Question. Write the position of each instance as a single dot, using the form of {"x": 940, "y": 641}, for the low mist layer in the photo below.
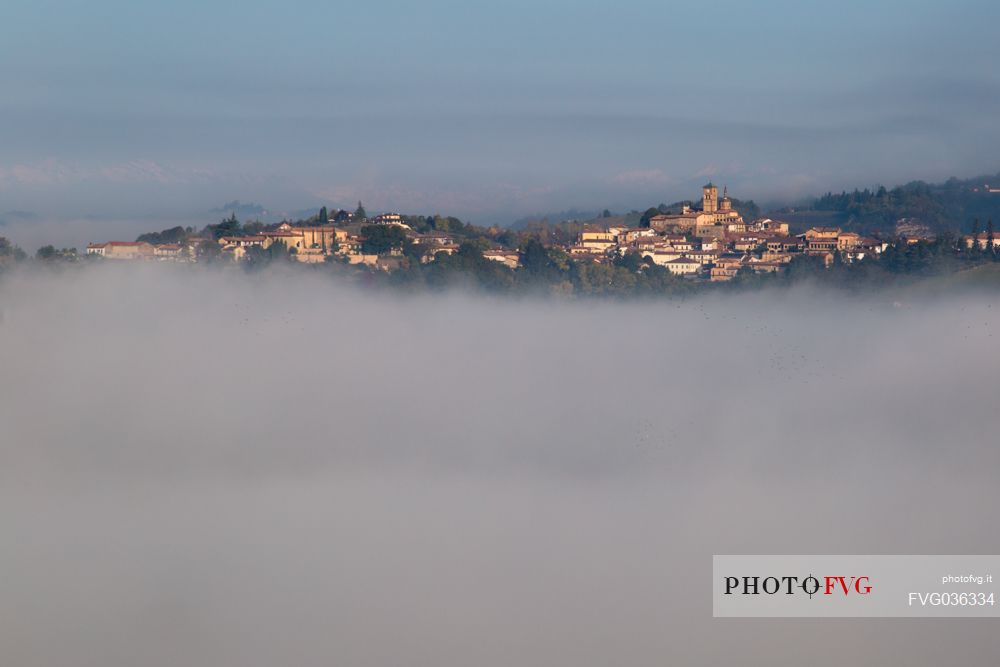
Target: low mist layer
{"x": 210, "y": 468}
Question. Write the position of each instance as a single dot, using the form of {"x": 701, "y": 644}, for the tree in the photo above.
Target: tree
{"x": 508, "y": 238}
{"x": 226, "y": 227}
{"x": 279, "y": 250}
{"x": 606, "y": 213}
{"x": 467, "y": 262}
{"x": 535, "y": 259}
{"x": 602, "y": 279}
{"x": 382, "y": 239}
{"x": 256, "y": 258}
{"x": 359, "y": 213}
{"x": 650, "y": 212}
{"x": 414, "y": 251}
{"x": 52, "y": 254}
{"x": 990, "y": 238}
{"x": 631, "y": 260}
{"x": 208, "y": 251}
{"x": 251, "y": 228}
{"x": 748, "y": 209}
{"x": 449, "y": 225}
{"x": 9, "y": 251}
{"x": 172, "y": 235}
{"x": 324, "y": 217}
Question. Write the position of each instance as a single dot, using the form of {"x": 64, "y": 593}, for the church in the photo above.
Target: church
{"x": 713, "y": 220}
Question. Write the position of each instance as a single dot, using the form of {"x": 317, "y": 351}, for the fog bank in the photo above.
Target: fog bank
{"x": 214, "y": 468}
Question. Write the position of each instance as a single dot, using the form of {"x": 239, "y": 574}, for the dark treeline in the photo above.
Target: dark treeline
{"x": 542, "y": 268}
{"x": 949, "y": 206}
{"x": 545, "y": 266}
{"x": 551, "y": 270}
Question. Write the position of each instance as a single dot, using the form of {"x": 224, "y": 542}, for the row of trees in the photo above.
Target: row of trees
{"x": 545, "y": 267}
{"x": 900, "y": 262}
{"x": 541, "y": 268}
{"x": 378, "y": 239}
{"x": 942, "y": 207}
{"x": 324, "y": 218}
{"x": 9, "y": 252}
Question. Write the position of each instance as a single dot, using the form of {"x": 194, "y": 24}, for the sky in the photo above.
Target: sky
{"x": 207, "y": 467}
{"x": 114, "y": 110}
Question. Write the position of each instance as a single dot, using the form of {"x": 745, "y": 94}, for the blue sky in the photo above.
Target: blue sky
{"x": 488, "y": 111}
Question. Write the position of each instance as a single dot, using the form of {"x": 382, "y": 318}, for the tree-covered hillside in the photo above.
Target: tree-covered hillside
{"x": 954, "y": 206}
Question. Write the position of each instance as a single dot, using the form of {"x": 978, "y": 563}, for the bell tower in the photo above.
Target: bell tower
{"x": 710, "y": 199}
{"x": 727, "y": 203}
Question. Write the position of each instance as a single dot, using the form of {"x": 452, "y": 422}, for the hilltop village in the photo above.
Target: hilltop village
{"x": 714, "y": 242}
{"x": 709, "y": 243}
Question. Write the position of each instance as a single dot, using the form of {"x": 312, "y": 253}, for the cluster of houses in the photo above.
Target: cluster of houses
{"x": 172, "y": 252}
{"x": 307, "y": 244}
{"x": 712, "y": 242}
{"x": 319, "y": 243}
{"x": 715, "y": 243}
